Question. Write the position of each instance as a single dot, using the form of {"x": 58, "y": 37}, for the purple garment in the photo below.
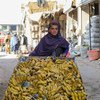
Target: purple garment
{"x": 49, "y": 43}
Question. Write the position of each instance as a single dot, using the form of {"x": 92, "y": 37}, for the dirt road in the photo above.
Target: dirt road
{"x": 7, "y": 64}
{"x": 90, "y": 73}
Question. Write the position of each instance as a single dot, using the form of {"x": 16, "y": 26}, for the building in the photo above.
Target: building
{"x": 79, "y": 13}
{"x": 36, "y": 18}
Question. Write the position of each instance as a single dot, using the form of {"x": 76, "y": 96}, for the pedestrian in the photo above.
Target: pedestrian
{"x": 14, "y": 43}
{"x": 52, "y": 43}
{"x": 23, "y": 44}
{"x": 7, "y": 43}
{"x": 7, "y": 46}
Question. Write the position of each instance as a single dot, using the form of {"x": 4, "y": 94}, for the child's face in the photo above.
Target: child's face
{"x": 53, "y": 30}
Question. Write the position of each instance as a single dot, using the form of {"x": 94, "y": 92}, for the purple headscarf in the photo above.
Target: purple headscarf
{"x": 49, "y": 43}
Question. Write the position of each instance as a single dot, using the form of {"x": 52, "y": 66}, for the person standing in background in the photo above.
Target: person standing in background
{"x": 7, "y": 43}
{"x": 23, "y": 44}
{"x": 14, "y": 43}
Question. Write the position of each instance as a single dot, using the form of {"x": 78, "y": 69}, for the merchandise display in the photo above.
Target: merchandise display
{"x": 46, "y": 78}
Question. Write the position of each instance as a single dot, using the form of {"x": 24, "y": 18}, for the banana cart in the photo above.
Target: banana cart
{"x": 45, "y": 78}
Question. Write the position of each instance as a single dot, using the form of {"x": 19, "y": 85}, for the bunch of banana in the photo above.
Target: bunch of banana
{"x": 78, "y": 95}
{"x": 45, "y": 79}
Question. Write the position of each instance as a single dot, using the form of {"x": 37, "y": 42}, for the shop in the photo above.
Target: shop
{"x": 91, "y": 23}
{"x": 90, "y": 27}
{"x": 83, "y": 20}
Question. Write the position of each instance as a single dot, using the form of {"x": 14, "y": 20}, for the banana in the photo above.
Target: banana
{"x": 76, "y": 95}
{"x": 73, "y": 96}
{"x": 13, "y": 91}
{"x": 9, "y": 97}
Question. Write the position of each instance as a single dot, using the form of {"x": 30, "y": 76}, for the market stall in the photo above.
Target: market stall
{"x": 45, "y": 78}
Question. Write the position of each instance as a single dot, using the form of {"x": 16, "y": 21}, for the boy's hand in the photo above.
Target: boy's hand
{"x": 63, "y": 55}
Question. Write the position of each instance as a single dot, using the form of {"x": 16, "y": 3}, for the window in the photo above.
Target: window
{"x": 13, "y": 27}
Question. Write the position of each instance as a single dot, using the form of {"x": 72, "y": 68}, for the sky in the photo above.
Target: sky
{"x": 10, "y": 11}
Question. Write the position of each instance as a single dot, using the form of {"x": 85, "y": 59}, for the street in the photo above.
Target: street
{"x": 7, "y": 64}
{"x": 90, "y": 73}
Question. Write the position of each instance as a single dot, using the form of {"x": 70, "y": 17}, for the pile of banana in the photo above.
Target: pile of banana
{"x": 45, "y": 79}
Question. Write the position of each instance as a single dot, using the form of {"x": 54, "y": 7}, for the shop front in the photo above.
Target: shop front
{"x": 90, "y": 27}
{"x": 91, "y": 23}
